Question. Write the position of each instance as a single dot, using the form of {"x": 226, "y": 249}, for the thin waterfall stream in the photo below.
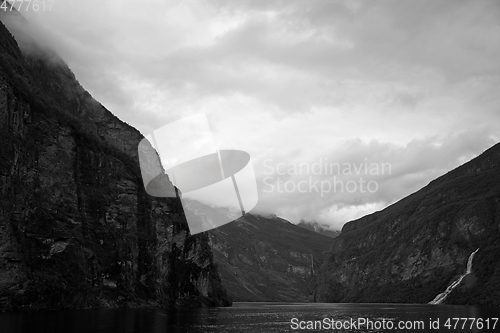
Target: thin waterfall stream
{"x": 442, "y": 296}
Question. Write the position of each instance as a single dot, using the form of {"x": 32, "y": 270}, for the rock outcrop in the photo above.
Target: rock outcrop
{"x": 412, "y": 250}
{"x": 77, "y": 229}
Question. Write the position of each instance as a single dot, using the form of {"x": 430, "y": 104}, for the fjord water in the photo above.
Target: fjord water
{"x": 242, "y": 317}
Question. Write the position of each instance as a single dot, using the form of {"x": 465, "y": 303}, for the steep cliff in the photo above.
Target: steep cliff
{"x": 77, "y": 228}
{"x": 412, "y": 250}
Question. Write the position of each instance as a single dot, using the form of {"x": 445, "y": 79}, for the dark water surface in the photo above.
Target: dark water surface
{"x": 255, "y": 317}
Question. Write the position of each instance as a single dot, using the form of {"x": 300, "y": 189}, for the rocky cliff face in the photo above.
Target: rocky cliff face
{"x": 412, "y": 250}
{"x": 77, "y": 229}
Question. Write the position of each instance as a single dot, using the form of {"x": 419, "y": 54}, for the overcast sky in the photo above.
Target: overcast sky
{"x": 412, "y": 84}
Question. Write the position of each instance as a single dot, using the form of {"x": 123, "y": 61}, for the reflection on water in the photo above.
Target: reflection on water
{"x": 242, "y": 317}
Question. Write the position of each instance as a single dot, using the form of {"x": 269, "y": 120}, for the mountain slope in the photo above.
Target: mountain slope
{"x": 77, "y": 229}
{"x": 412, "y": 250}
{"x": 268, "y": 259}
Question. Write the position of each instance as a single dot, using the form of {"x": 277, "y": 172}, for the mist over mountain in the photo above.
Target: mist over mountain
{"x": 319, "y": 228}
{"x": 77, "y": 229}
{"x": 412, "y": 250}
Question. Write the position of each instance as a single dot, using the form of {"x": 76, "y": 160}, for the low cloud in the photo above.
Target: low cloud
{"x": 411, "y": 83}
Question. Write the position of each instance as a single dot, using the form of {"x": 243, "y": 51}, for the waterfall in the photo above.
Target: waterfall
{"x": 441, "y": 297}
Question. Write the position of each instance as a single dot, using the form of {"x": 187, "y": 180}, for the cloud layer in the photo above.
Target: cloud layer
{"x": 410, "y": 83}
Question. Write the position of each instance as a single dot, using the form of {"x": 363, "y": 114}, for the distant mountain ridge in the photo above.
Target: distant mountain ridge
{"x": 412, "y": 250}
{"x": 319, "y": 228}
{"x": 267, "y": 258}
